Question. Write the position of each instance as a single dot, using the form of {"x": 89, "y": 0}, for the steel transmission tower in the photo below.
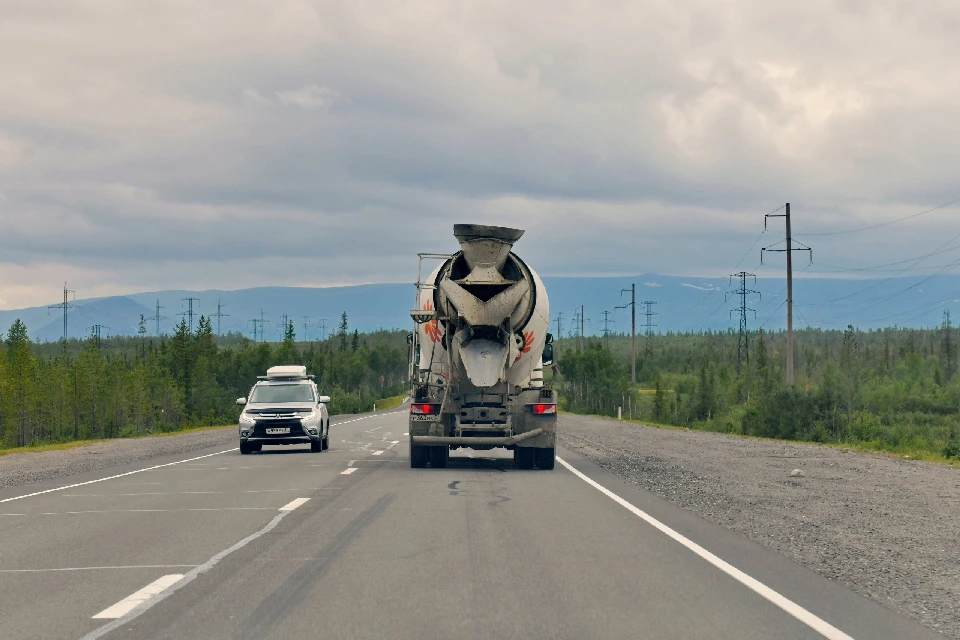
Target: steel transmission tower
{"x": 306, "y": 325}
{"x": 157, "y": 317}
{"x": 606, "y": 325}
{"x": 189, "y": 312}
{"x": 743, "y": 338}
{"x": 220, "y": 314}
{"x": 66, "y": 306}
{"x": 648, "y": 326}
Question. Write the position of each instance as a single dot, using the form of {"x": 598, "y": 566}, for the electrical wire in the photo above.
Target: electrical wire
{"x": 882, "y": 224}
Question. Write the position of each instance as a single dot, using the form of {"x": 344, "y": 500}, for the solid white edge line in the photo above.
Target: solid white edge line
{"x": 817, "y": 624}
{"x": 119, "y": 475}
{"x": 293, "y": 504}
{"x": 134, "y": 600}
{"x": 187, "y": 579}
{"x": 347, "y": 472}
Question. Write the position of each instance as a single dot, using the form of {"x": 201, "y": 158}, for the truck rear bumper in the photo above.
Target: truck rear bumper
{"x": 481, "y": 441}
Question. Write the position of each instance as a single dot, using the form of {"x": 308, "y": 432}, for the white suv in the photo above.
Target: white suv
{"x": 284, "y": 407}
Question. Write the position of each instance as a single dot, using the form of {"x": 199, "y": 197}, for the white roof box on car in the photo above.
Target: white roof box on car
{"x": 289, "y": 371}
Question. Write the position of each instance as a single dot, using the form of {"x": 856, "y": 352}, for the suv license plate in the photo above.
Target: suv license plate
{"x": 278, "y": 431}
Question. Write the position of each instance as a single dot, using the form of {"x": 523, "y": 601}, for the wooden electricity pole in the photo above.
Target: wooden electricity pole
{"x": 789, "y": 251}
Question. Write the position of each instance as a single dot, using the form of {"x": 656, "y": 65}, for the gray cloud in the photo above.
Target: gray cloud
{"x": 196, "y": 144}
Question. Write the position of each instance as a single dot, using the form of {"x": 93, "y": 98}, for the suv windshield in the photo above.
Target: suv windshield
{"x": 263, "y": 393}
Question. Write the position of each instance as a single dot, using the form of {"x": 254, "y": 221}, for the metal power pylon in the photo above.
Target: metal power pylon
{"x": 220, "y": 314}
{"x": 157, "y": 317}
{"x": 648, "y": 326}
{"x": 743, "y": 338}
{"x": 66, "y": 306}
{"x": 189, "y": 312}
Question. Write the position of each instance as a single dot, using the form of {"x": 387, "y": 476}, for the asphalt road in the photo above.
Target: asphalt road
{"x": 369, "y": 548}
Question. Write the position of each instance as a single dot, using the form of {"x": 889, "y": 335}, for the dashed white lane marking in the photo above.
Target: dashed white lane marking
{"x": 378, "y": 453}
{"x": 132, "y": 566}
{"x": 817, "y": 624}
{"x": 393, "y": 444}
{"x": 187, "y": 579}
{"x": 131, "y": 602}
{"x": 294, "y": 504}
{"x": 119, "y": 475}
{"x": 347, "y": 472}
{"x": 406, "y": 434}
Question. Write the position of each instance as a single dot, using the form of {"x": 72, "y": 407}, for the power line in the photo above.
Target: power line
{"x": 882, "y": 224}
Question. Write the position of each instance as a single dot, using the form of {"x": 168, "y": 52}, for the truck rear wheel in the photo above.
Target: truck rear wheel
{"x": 546, "y": 458}
{"x": 418, "y": 456}
{"x": 524, "y": 457}
{"x": 439, "y": 457}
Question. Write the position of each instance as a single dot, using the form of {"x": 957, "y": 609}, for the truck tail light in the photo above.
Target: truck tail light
{"x": 543, "y": 409}
{"x": 425, "y": 409}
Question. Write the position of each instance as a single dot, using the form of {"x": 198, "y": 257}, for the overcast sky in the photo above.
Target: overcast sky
{"x": 233, "y": 143}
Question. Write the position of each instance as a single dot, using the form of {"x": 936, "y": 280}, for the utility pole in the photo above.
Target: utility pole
{"x": 581, "y": 329}
{"x": 66, "y": 306}
{"x": 157, "y": 317}
{"x": 649, "y": 325}
{"x": 743, "y": 338}
{"x": 220, "y": 314}
{"x": 323, "y": 328}
{"x": 633, "y": 328}
{"x": 306, "y": 323}
{"x": 947, "y": 329}
{"x": 189, "y": 311}
{"x": 283, "y": 324}
{"x": 789, "y": 251}
{"x": 559, "y": 332}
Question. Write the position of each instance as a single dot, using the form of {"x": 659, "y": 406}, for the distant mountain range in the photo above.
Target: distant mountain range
{"x": 682, "y": 304}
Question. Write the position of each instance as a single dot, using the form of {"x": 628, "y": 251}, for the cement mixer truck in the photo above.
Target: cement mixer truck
{"x": 478, "y": 352}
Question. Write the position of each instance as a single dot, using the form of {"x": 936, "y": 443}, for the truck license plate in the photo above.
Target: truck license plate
{"x": 278, "y": 431}
{"x": 419, "y": 418}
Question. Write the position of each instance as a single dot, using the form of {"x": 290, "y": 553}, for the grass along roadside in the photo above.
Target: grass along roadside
{"x": 386, "y": 404}
{"x": 859, "y": 448}
{"x": 60, "y": 446}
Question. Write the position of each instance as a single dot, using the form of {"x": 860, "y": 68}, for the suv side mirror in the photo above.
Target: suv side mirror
{"x": 324, "y": 400}
{"x": 241, "y": 401}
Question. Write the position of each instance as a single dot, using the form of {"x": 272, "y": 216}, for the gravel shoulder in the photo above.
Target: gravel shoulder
{"x": 24, "y": 468}
{"x": 888, "y": 529}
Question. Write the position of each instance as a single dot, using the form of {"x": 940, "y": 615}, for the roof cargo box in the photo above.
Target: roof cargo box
{"x": 288, "y": 371}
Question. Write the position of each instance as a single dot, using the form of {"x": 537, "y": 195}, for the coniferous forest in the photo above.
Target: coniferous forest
{"x": 893, "y": 389}
{"x": 119, "y": 387}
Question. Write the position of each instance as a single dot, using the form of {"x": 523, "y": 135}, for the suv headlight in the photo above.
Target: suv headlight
{"x": 246, "y": 421}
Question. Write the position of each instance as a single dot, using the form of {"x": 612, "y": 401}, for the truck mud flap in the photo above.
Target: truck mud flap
{"x": 466, "y": 442}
